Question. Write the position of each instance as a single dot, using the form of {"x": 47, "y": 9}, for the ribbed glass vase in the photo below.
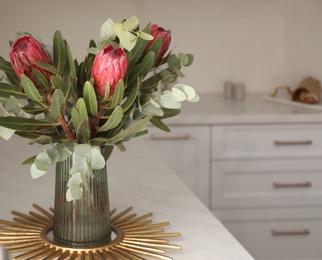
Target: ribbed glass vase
{"x": 82, "y": 223}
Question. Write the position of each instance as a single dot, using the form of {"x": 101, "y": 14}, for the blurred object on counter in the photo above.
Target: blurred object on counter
{"x": 228, "y": 89}
{"x": 308, "y": 91}
{"x": 239, "y": 91}
{"x": 234, "y": 90}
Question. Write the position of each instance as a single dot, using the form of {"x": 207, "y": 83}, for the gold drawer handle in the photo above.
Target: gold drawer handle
{"x": 306, "y": 184}
{"x": 170, "y": 137}
{"x": 304, "y": 142}
{"x": 303, "y": 232}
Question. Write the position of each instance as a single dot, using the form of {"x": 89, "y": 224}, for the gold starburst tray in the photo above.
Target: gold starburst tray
{"x": 27, "y": 236}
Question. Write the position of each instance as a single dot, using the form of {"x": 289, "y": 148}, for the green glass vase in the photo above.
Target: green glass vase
{"x": 82, "y": 223}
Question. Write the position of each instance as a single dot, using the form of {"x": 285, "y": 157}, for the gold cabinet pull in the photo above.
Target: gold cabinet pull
{"x": 170, "y": 137}
{"x": 303, "y": 142}
{"x": 303, "y": 232}
{"x": 306, "y": 184}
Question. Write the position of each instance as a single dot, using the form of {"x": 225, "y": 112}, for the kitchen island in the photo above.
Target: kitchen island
{"x": 137, "y": 178}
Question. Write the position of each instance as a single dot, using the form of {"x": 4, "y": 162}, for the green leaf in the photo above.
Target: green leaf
{"x": 71, "y": 64}
{"x": 57, "y": 82}
{"x": 25, "y": 124}
{"x": 118, "y": 94}
{"x": 142, "y": 69}
{"x": 7, "y": 90}
{"x": 29, "y": 160}
{"x": 40, "y": 78}
{"x": 9, "y": 71}
{"x": 81, "y": 107}
{"x": 80, "y": 122}
{"x": 114, "y": 119}
{"x": 58, "y": 106}
{"x": 132, "y": 129}
{"x": 48, "y": 67}
{"x": 139, "y": 48}
{"x": 156, "y": 121}
{"x": 168, "y": 112}
{"x": 90, "y": 98}
{"x": 60, "y": 56}
{"x": 156, "y": 46}
{"x": 31, "y": 91}
{"x": 132, "y": 96}
{"x": 43, "y": 139}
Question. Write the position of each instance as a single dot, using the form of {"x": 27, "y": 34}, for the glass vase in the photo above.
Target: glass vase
{"x": 85, "y": 222}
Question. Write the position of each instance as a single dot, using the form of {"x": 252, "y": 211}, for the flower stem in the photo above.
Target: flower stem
{"x": 96, "y": 121}
{"x": 66, "y": 129}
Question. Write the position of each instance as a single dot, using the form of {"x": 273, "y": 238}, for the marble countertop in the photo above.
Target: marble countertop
{"x": 138, "y": 179}
{"x": 214, "y": 109}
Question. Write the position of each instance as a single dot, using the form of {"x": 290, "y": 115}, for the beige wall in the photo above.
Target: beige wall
{"x": 263, "y": 43}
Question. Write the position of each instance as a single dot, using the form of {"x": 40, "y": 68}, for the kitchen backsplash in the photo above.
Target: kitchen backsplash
{"x": 262, "y": 43}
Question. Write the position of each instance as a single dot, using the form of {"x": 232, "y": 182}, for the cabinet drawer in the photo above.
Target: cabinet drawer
{"x": 264, "y": 141}
{"x": 266, "y": 183}
{"x": 280, "y": 240}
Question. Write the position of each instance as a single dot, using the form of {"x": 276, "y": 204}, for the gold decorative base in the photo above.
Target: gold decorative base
{"x": 134, "y": 237}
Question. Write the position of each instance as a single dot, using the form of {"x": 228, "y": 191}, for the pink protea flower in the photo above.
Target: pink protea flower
{"x": 23, "y": 56}
{"x": 156, "y": 32}
{"x": 109, "y": 66}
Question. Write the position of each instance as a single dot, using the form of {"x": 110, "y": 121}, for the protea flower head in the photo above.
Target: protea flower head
{"x": 156, "y": 32}
{"x": 109, "y": 66}
{"x": 24, "y": 53}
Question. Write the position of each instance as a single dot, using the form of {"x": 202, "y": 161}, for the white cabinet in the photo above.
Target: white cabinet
{"x": 266, "y": 188}
{"x": 186, "y": 150}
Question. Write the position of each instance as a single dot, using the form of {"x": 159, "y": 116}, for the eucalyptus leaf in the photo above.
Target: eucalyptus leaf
{"x": 145, "y": 36}
{"x": 127, "y": 39}
{"x": 74, "y": 193}
{"x": 74, "y": 179}
{"x": 35, "y": 173}
{"x": 130, "y": 23}
{"x": 6, "y": 133}
{"x": 178, "y": 94}
{"x": 97, "y": 160}
{"x": 167, "y": 100}
{"x": 106, "y": 29}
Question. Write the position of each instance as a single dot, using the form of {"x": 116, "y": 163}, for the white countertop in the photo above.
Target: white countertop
{"x": 136, "y": 178}
{"x": 214, "y": 109}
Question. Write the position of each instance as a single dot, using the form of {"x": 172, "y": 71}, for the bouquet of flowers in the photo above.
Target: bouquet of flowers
{"x": 77, "y": 108}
